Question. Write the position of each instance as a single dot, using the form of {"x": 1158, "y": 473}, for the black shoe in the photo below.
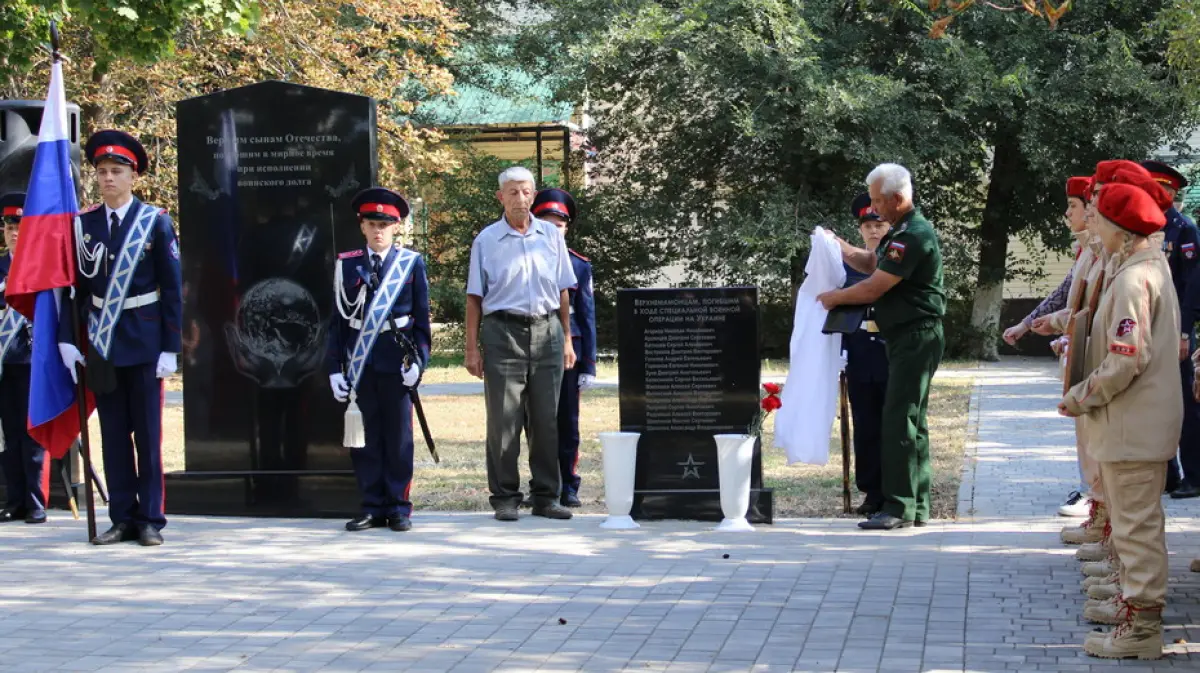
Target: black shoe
{"x": 148, "y": 536}
{"x": 1174, "y": 481}
{"x": 552, "y": 510}
{"x": 507, "y": 513}
{"x": 870, "y": 505}
{"x": 365, "y": 522}
{"x": 570, "y": 500}
{"x": 36, "y": 517}
{"x": 884, "y": 521}
{"x": 920, "y": 523}
{"x": 11, "y": 514}
{"x": 399, "y": 523}
{"x": 122, "y": 532}
{"x": 1186, "y": 490}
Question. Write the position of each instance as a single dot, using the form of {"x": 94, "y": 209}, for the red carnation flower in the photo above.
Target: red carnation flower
{"x": 771, "y": 403}
{"x": 772, "y": 388}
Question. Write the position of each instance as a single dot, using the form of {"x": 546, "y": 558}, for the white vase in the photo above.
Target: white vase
{"x": 735, "y": 455}
{"x": 620, "y": 463}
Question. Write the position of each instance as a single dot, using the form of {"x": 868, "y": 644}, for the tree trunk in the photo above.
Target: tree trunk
{"x": 993, "y": 248}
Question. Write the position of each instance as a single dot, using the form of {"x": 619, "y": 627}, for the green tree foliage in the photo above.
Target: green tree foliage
{"x": 730, "y": 128}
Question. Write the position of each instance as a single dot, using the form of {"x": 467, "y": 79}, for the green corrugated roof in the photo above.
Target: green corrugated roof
{"x": 524, "y": 100}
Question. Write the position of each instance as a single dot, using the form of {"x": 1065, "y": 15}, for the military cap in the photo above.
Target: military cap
{"x": 1165, "y": 174}
{"x": 1145, "y": 183}
{"x": 862, "y": 209}
{"x": 554, "y": 202}
{"x": 1105, "y": 170}
{"x": 118, "y": 146}
{"x": 379, "y": 203}
{"x": 12, "y": 206}
{"x": 1079, "y": 187}
{"x": 1131, "y": 209}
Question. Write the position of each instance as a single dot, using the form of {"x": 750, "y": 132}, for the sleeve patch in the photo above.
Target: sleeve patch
{"x": 1122, "y": 349}
{"x": 895, "y": 251}
{"x": 1126, "y": 326}
{"x": 174, "y": 249}
{"x": 351, "y": 254}
{"x": 1189, "y": 250}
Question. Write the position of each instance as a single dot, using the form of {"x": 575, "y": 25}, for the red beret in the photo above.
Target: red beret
{"x": 1079, "y": 187}
{"x": 1106, "y": 169}
{"x": 1131, "y": 209}
{"x": 1146, "y": 183}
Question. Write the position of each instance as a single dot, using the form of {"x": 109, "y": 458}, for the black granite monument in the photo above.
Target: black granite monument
{"x": 689, "y": 369}
{"x": 266, "y": 175}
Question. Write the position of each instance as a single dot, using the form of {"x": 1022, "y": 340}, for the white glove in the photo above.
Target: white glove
{"x": 842, "y": 361}
{"x": 412, "y": 375}
{"x": 70, "y": 356}
{"x": 167, "y": 364}
{"x": 586, "y": 381}
{"x": 341, "y": 389}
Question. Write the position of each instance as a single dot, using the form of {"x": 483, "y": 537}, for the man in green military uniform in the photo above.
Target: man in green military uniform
{"x": 905, "y": 287}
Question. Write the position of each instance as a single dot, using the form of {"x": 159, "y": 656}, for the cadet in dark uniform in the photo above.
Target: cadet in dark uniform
{"x": 130, "y": 281}
{"x": 905, "y": 287}
{"x": 1181, "y": 243}
{"x": 558, "y": 208}
{"x": 866, "y": 372}
{"x": 25, "y": 463}
{"x": 378, "y": 346}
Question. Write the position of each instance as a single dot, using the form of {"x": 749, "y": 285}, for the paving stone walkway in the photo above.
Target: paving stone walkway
{"x": 993, "y": 591}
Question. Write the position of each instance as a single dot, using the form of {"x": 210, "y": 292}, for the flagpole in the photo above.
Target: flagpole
{"x": 85, "y": 443}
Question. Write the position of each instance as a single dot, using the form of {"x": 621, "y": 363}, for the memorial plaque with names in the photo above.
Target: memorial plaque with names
{"x": 689, "y": 369}
{"x": 266, "y": 176}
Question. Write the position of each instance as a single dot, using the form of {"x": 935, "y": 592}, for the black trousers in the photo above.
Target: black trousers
{"x": 26, "y": 465}
{"x": 866, "y": 409}
{"x": 1189, "y": 437}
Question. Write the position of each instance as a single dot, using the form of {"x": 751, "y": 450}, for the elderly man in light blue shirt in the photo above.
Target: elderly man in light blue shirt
{"x": 518, "y": 310}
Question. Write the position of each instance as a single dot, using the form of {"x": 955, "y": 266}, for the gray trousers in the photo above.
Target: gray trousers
{"x": 522, "y": 375}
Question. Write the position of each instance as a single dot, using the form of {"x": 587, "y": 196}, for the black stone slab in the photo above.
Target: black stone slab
{"x": 266, "y": 175}
{"x": 689, "y": 369}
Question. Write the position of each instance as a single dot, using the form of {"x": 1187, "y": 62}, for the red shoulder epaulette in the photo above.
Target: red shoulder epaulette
{"x": 350, "y": 254}
{"x": 578, "y": 255}
{"x": 90, "y": 208}
{"x": 163, "y": 211}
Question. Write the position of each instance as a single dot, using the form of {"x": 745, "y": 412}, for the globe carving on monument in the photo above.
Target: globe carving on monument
{"x": 277, "y": 339}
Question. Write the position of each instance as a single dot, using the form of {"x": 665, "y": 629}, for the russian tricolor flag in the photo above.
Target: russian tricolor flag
{"x": 43, "y": 265}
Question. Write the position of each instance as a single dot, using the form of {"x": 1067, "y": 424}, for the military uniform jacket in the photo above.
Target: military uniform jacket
{"x": 583, "y": 314}
{"x": 1131, "y": 402}
{"x": 1088, "y": 264}
{"x": 866, "y": 352}
{"x": 1181, "y": 244}
{"x": 911, "y": 251}
{"x": 410, "y": 314}
{"x": 141, "y": 332}
{"x": 21, "y": 349}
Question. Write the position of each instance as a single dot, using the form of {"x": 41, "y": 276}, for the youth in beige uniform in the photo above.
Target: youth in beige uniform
{"x": 1132, "y": 416}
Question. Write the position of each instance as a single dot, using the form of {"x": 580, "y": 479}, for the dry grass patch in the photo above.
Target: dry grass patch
{"x": 460, "y": 481}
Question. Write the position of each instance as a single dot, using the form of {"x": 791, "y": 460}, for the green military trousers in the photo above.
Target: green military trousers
{"x": 914, "y": 352}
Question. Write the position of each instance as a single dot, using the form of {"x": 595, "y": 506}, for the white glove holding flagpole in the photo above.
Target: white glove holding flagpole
{"x": 411, "y": 375}
{"x": 167, "y": 364}
{"x": 70, "y": 357}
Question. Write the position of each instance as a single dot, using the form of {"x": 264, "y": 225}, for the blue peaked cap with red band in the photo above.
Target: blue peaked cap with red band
{"x": 378, "y": 203}
{"x": 862, "y": 209}
{"x": 12, "y": 205}
{"x": 118, "y": 146}
{"x": 554, "y": 201}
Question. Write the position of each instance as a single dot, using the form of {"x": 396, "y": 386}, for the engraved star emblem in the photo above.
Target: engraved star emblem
{"x": 691, "y": 468}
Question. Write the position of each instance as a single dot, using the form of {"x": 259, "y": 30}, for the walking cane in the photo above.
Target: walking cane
{"x": 845, "y": 413}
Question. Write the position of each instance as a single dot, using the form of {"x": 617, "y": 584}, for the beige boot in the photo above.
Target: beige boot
{"x": 1195, "y": 567}
{"x": 1103, "y": 592}
{"x": 1138, "y": 635}
{"x": 1111, "y": 611}
{"x": 1089, "y": 582}
{"x": 1091, "y": 552}
{"x": 1099, "y": 568}
{"x": 1091, "y": 530}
